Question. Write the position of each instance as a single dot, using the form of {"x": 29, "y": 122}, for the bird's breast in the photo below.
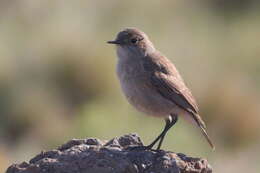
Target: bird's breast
{"x": 137, "y": 88}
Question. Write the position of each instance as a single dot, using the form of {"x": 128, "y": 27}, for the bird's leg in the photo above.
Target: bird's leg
{"x": 174, "y": 119}
{"x": 169, "y": 122}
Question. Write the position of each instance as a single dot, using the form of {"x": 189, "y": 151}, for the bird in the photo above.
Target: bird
{"x": 152, "y": 84}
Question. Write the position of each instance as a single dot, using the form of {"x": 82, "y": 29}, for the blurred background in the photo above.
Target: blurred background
{"x": 57, "y": 77}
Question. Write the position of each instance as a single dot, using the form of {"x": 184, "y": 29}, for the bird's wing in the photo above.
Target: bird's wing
{"x": 174, "y": 89}
{"x": 167, "y": 81}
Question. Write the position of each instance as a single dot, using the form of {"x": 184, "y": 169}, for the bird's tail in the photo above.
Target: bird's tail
{"x": 207, "y": 137}
{"x": 202, "y": 127}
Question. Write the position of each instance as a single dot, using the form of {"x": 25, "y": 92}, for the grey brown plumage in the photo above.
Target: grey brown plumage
{"x": 150, "y": 81}
{"x": 167, "y": 81}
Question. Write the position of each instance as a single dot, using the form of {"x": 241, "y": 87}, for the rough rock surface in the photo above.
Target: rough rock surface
{"x": 114, "y": 156}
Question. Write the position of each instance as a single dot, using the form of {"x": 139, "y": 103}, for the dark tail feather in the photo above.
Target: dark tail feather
{"x": 202, "y": 127}
{"x": 207, "y": 137}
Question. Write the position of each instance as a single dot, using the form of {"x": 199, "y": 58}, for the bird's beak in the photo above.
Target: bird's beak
{"x": 113, "y": 42}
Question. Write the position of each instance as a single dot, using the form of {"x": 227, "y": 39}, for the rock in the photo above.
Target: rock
{"x": 115, "y": 156}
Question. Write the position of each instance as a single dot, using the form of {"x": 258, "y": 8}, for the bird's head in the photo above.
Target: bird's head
{"x": 133, "y": 41}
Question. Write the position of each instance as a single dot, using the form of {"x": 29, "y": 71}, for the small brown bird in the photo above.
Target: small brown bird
{"x": 152, "y": 84}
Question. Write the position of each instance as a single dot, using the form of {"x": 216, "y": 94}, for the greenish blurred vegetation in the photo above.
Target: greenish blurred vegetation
{"x": 57, "y": 78}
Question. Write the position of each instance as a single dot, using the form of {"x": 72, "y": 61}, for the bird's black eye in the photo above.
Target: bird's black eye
{"x": 134, "y": 40}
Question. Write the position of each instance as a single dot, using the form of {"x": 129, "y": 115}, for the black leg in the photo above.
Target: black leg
{"x": 169, "y": 122}
{"x": 174, "y": 119}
